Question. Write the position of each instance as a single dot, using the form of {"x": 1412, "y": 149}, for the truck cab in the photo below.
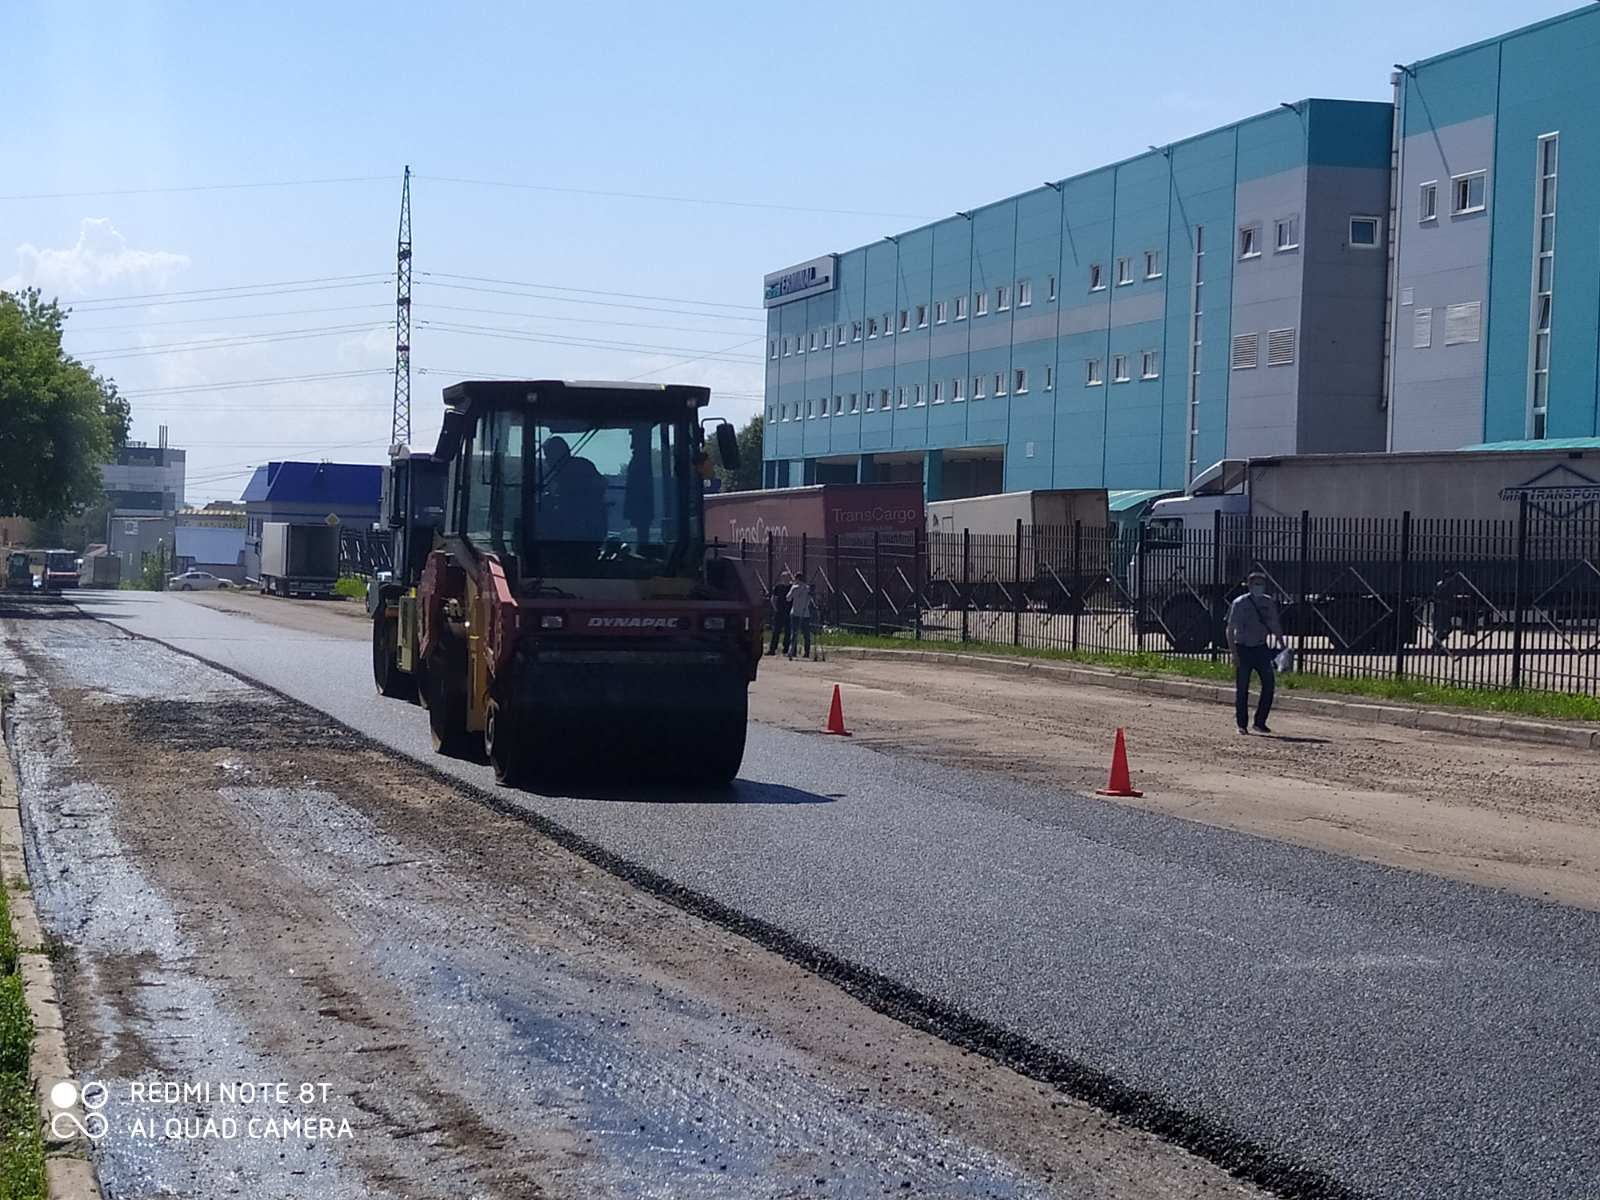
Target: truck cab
{"x": 62, "y": 569}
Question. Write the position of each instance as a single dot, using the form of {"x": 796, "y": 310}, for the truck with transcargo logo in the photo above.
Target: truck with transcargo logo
{"x": 817, "y": 513}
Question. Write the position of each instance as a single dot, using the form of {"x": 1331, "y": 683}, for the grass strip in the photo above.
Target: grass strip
{"x": 21, "y": 1147}
{"x": 1559, "y": 706}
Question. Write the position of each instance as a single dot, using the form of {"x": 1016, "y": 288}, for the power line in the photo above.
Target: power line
{"x": 292, "y": 291}
{"x": 199, "y": 187}
{"x": 587, "y": 343}
{"x": 250, "y": 383}
{"x": 239, "y": 287}
{"x": 695, "y": 358}
{"x": 666, "y": 199}
{"x": 74, "y": 327}
{"x": 228, "y": 342}
{"x": 543, "y": 316}
{"x": 682, "y": 312}
{"x": 556, "y": 287}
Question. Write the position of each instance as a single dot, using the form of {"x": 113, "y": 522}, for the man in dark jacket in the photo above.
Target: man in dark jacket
{"x": 1255, "y": 629}
{"x": 778, "y": 599}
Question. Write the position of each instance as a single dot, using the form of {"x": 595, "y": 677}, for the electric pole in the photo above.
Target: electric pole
{"x": 400, "y": 426}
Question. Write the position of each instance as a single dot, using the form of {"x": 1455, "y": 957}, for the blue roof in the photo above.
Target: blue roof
{"x": 1583, "y": 443}
{"x": 336, "y": 485}
{"x": 209, "y": 544}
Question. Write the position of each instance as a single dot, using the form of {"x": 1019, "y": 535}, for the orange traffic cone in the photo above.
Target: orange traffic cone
{"x": 1120, "y": 784}
{"x": 836, "y": 715}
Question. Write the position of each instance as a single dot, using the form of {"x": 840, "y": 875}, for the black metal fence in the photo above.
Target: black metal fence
{"x": 1471, "y": 603}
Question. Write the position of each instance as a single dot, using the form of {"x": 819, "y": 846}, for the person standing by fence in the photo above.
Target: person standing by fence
{"x": 1253, "y": 625}
{"x": 800, "y": 606}
{"x": 778, "y": 598}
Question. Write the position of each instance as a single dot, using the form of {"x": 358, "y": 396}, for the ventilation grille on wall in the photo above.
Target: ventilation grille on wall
{"x": 1246, "y": 350}
{"x": 1280, "y": 347}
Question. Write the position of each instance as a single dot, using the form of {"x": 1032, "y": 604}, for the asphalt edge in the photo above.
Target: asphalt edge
{"x": 1403, "y": 715}
{"x": 69, "y": 1173}
{"x": 1243, "y": 1158}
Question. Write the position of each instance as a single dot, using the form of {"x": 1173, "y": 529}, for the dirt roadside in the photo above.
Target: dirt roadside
{"x": 351, "y": 918}
{"x": 1500, "y": 814}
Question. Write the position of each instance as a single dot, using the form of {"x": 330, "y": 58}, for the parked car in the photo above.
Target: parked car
{"x": 196, "y": 581}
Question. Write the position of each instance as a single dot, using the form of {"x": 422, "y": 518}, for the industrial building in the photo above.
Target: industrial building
{"x": 1270, "y": 287}
{"x": 302, "y": 492}
{"x": 145, "y": 481}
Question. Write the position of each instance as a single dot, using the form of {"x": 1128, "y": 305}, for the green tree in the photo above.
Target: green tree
{"x": 59, "y": 420}
{"x": 748, "y": 477}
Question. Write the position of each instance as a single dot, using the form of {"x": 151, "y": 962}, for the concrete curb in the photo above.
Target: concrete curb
{"x": 69, "y": 1175}
{"x": 1470, "y": 724}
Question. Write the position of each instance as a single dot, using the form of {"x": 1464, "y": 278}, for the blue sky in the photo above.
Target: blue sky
{"x": 827, "y": 125}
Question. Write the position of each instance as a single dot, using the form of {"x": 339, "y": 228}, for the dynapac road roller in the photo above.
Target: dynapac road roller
{"x": 552, "y": 593}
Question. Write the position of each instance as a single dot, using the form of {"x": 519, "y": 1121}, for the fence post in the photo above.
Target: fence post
{"x": 1520, "y": 593}
{"x": 1402, "y": 593}
{"x": 1079, "y": 599}
{"x": 1140, "y": 555}
{"x": 966, "y": 577}
{"x": 838, "y": 580}
{"x": 1218, "y": 592}
{"x": 771, "y": 580}
{"x": 877, "y": 586}
{"x": 1300, "y": 589}
{"x": 1016, "y": 603}
{"x": 919, "y": 575}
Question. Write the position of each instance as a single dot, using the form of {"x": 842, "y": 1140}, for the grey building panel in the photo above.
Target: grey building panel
{"x": 1341, "y": 328}
{"x": 1145, "y": 305}
{"x": 990, "y": 335}
{"x": 1263, "y": 400}
{"x": 1437, "y": 400}
{"x": 1085, "y": 319}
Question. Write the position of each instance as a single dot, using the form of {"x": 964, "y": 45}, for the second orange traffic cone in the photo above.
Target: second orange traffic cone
{"x": 1120, "y": 783}
{"x": 836, "y": 715}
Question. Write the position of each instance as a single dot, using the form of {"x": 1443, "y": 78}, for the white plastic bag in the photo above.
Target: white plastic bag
{"x": 1285, "y": 659}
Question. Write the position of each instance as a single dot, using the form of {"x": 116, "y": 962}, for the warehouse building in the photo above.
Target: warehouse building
{"x": 1497, "y": 275}
{"x": 1259, "y": 289}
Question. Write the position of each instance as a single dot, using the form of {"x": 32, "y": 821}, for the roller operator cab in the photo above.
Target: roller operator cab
{"x": 565, "y": 612}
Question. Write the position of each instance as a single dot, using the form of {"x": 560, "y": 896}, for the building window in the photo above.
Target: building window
{"x": 1250, "y": 241}
{"x": 1364, "y": 232}
{"x": 938, "y": 392}
{"x": 1149, "y": 365}
{"x": 1467, "y": 193}
{"x": 855, "y": 402}
{"x": 838, "y": 405}
{"x": 920, "y": 399}
{"x": 1049, "y": 379}
{"x": 855, "y": 331}
{"x": 1280, "y": 347}
{"x": 1119, "y": 368}
{"x": 1428, "y": 202}
{"x": 1024, "y": 293}
{"x": 838, "y": 335}
{"x": 1097, "y": 277}
{"x": 786, "y": 347}
{"x": 922, "y": 316}
{"x": 872, "y": 327}
{"x": 1050, "y": 287}
{"x": 999, "y": 383}
{"x": 813, "y": 340}
{"x": 977, "y": 387}
{"x": 905, "y": 320}
{"x": 1124, "y": 271}
{"x": 1152, "y": 264}
{"x": 957, "y": 389}
{"x": 1246, "y": 351}
{"x": 1019, "y": 381}
{"x": 811, "y": 410}
{"x": 900, "y": 397}
{"x": 772, "y": 413}
{"x": 961, "y": 308}
{"x": 1002, "y": 298}
{"x": 772, "y": 347}
{"x": 1094, "y": 376}
{"x": 1288, "y": 234}
{"x": 883, "y": 398}
{"x": 827, "y": 338}
{"x": 940, "y": 311}
{"x": 980, "y": 304}
{"x": 1544, "y": 250}
{"x": 800, "y": 343}
{"x": 1463, "y": 323}
{"x": 888, "y": 327}
{"x": 825, "y": 409}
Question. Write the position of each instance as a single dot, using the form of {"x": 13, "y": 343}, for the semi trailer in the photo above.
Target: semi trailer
{"x": 1330, "y": 528}
{"x": 553, "y": 600}
{"x": 299, "y": 559}
{"x": 818, "y": 513}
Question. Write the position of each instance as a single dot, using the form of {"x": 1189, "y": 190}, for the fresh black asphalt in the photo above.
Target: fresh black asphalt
{"x": 1332, "y": 1027}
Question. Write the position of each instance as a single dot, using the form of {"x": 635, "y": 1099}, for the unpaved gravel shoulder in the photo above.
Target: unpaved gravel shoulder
{"x": 1502, "y": 814}
{"x": 345, "y": 915}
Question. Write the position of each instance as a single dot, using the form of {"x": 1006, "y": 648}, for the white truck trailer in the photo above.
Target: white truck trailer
{"x": 299, "y": 560}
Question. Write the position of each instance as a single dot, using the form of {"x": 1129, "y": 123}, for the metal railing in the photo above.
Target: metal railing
{"x": 1468, "y": 603}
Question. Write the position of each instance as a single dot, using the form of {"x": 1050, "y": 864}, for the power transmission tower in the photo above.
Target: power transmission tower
{"x": 400, "y": 426}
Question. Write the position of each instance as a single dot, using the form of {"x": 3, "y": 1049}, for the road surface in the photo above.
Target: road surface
{"x": 1334, "y": 1027}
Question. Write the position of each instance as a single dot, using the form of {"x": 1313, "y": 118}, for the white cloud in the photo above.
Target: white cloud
{"x": 102, "y": 257}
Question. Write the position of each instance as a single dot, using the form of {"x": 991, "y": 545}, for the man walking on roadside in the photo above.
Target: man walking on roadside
{"x": 778, "y": 598}
{"x": 800, "y": 604}
{"x": 1253, "y": 627}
